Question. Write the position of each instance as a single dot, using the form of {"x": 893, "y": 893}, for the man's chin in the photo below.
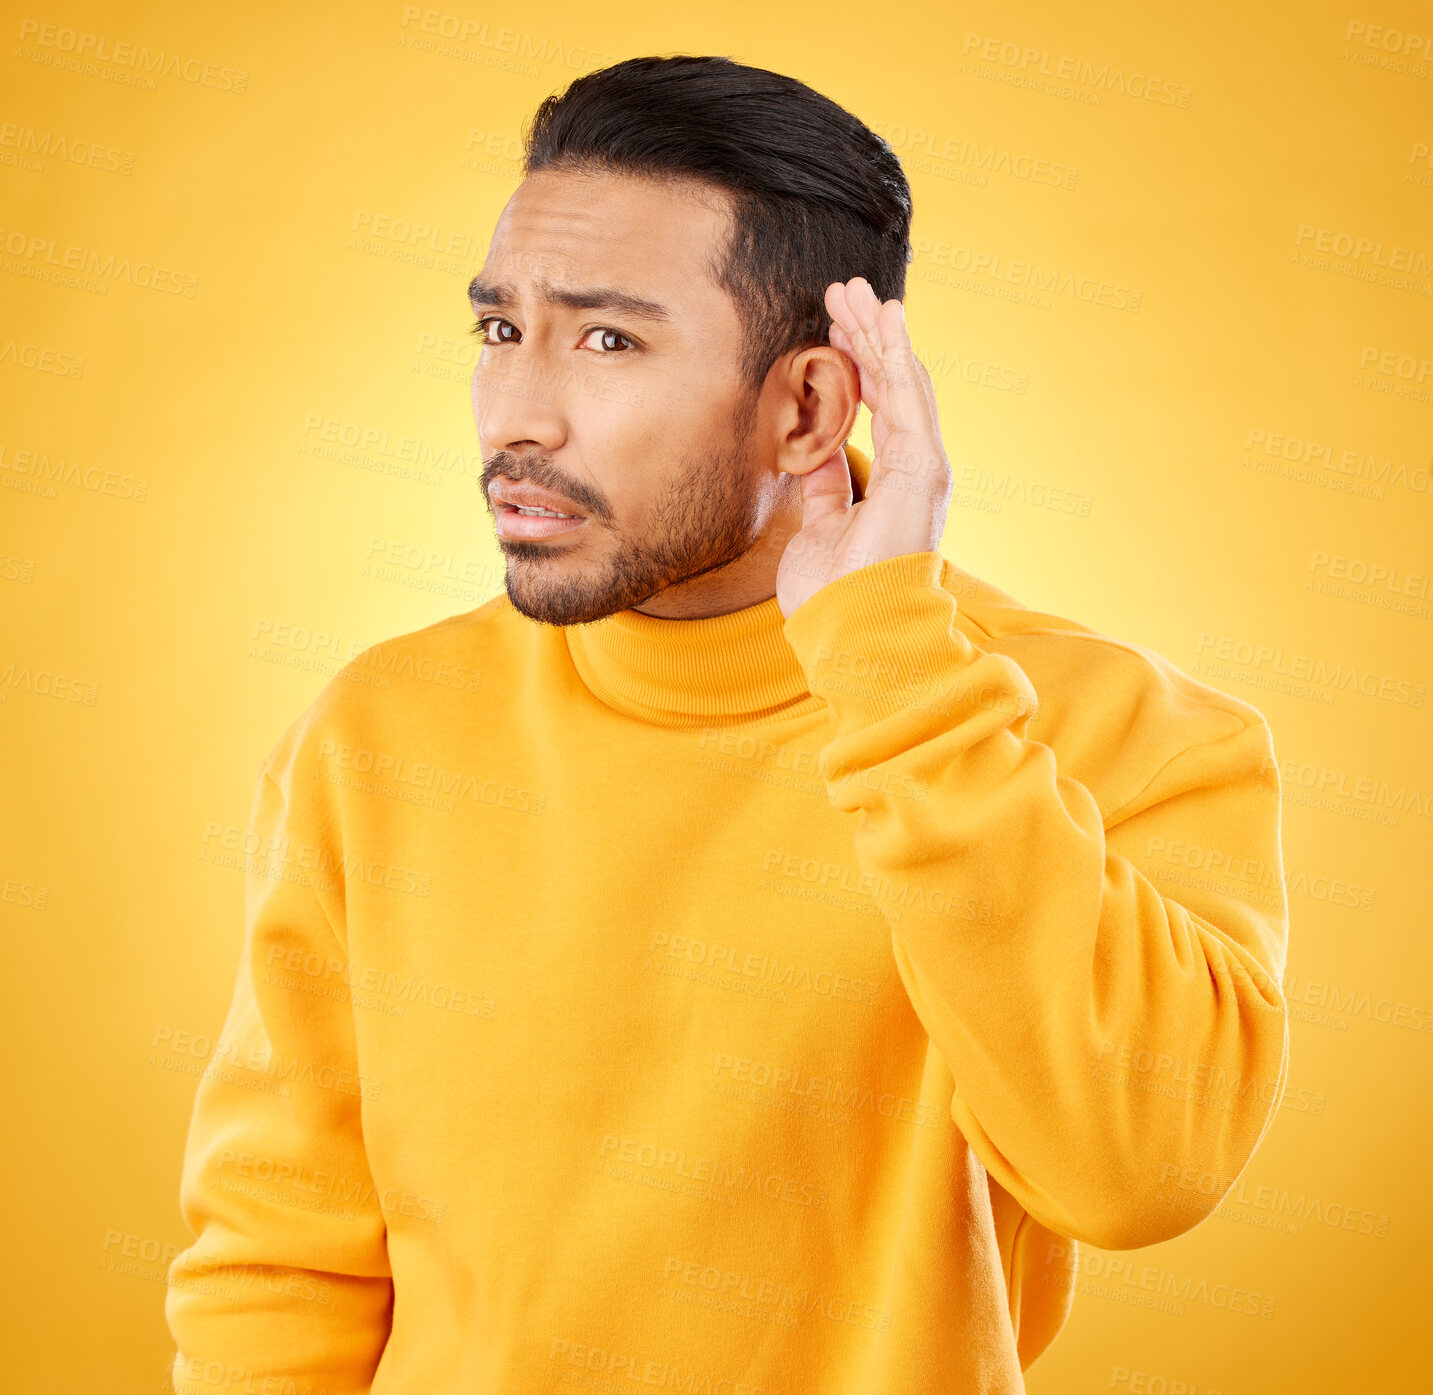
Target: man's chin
{"x": 569, "y": 602}
{"x": 544, "y": 614}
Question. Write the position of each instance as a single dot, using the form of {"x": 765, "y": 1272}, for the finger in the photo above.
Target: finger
{"x": 837, "y": 308}
{"x": 843, "y": 324}
{"x": 841, "y": 340}
{"x": 863, "y": 306}
{"x": 869, "y": 335}
{"x": 894, "y": 383}
{"x": 851, "y": 339}
{"x": 842, "y": 301}
{"x": 826, "y": 490}
{"x": 907, "y": 396}
{"x": 911, "y": 445}
{"x": 865, "y": 358}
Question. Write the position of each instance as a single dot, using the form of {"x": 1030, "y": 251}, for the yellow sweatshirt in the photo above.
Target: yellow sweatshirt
{"x": 730, "y": 1005}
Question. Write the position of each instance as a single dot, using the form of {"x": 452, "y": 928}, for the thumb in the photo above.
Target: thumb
{"x": 826, "y": 490}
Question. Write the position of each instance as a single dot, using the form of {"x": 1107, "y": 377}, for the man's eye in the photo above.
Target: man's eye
{"x": 616, "y": 333}
{"x": 480, "y": 329}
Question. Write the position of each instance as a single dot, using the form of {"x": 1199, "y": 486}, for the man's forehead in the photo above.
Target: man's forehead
{"x": 584, "y": 196}
{"x": 567, "y": 228}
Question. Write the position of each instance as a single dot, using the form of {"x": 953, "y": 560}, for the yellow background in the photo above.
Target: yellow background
{"x": 247, "y": 483}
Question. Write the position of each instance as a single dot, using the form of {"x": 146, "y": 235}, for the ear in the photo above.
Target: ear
{"x": 816, "y": 402}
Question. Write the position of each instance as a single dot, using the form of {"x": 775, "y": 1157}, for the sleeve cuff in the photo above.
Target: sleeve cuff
{"x": 880, "y": 639}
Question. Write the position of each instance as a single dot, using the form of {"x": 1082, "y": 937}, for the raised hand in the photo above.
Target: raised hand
{"x": 908, "y": 494}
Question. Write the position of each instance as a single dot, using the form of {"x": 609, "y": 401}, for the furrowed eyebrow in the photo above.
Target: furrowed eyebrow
{"x": 620, "y": 302}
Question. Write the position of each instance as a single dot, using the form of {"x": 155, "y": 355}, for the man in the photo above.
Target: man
{"x": 729, "y": 960}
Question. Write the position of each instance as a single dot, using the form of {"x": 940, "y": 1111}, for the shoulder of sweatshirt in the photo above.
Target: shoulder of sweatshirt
{"x": 1115, "y": 713}
{"x": 410, "y": 683}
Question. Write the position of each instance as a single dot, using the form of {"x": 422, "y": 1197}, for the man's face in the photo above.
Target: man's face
{"x": 629, "y": 415}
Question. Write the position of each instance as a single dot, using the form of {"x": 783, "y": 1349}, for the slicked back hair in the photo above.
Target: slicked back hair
{"x": 815, "y": 195}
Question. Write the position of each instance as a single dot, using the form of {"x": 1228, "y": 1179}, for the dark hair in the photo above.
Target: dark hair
{"x": 816, "y": 196}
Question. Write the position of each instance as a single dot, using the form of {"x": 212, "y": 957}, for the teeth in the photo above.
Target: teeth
{"x": 544, "y": 513}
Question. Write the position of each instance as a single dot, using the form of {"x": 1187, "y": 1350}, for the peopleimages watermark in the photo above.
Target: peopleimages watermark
{"x": 741, "y": 1287}
{"x": 1277, "y": 1206}
{"x": 321, "y": 865}
{"x": 507, "y": 47}
{"x": 42, "y": 358}
{"x": 1210, "y": 1084}
{"x": 771, "y": 1080}
{"x": 737, "y": 1179}
{"x": 29, "y": 148}
{"x": 60, "y": 46}
{"x": 374, "y": 987}
{"x": 296, "y": 1183}
{"x": 1124, "y": 1280}
{"x": 45, "y": 259}
{"x": 30, "y": 471}
{"x": 1025, "y": 65}
{"x": 233, "y": 1063}
{"x": 1138, "y": 1382}
{"x": 388, "y": 772}
{"x": 1346, "y": 468}
{"x": 1272, "y": 666}
{"x": 600, "y": 1367}
{"x": 28, "y": 895}
{"x": 45, "y": 682}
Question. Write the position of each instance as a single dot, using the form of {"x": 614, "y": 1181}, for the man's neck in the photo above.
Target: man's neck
{"x": 745, "y": 582}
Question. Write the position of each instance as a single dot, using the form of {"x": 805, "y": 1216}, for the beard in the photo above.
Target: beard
{"x": 710, "y": 515}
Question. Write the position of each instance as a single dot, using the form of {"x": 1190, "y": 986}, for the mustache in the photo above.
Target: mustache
{"x": 545, "y": 475}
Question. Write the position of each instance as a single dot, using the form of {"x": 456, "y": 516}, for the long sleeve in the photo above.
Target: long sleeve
{"x": 1102, "y": 1035}
{"x": 287, "y": 1281}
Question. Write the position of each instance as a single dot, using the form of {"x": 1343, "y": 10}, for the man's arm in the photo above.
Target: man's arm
{"x": 288, "y": 1276}
{"x": 1063, "y": 976}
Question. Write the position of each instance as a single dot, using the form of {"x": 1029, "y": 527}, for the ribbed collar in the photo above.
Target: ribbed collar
{"x": 717, "y": 671}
